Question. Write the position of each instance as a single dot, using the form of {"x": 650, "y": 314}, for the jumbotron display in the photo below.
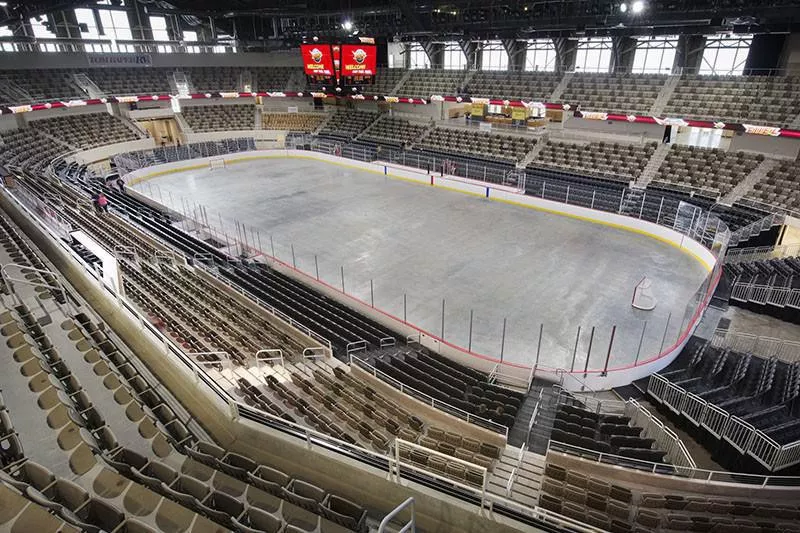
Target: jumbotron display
{"x": 340, "y": 64}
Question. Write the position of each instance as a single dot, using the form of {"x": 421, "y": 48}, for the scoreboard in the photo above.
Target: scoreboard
{"x": 351, "y": 64}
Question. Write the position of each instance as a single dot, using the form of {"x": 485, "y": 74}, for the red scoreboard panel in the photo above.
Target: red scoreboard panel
{"x": 340, "y": 64}
{"x": 358, "y": 60}
{"x": 317, "y": 60}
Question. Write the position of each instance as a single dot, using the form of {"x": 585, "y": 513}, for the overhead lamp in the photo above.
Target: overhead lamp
{"x": 637, "y": 6}
{"x": 623, "y": 8}
{"x": 347, "y": 25}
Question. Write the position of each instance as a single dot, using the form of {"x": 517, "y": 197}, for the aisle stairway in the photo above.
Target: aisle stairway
{"x": 653, "y": 165}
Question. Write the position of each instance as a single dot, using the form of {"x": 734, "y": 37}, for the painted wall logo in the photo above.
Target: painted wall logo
{"x": 316, "y": 55}
{"x": 769, "y": 131}
{"x": 121, "y": 60}
{"x": 359, "y": 55}
{"x": 594, "y": 115}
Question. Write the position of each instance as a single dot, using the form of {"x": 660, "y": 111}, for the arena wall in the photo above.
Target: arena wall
{"x": 77, "y": 60}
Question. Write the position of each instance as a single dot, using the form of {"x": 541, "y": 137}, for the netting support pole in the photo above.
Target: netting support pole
{"x": 588, "y": 356}
{"x": 575, "y": 350}
{"x": 641, "y": 340}
{"x": 608, "y": 354}
{"x": 469, "y": 342}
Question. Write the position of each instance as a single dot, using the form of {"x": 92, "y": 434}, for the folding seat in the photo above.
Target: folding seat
{"x": 124, "y": 459}
{"x": 154, "y": 474}
{"x": 419, "y": 457}
{"x": 550, "y": 503}
{"x": 653, "y": 501}
{"x": 256, "y": 520}
{"x": 649, "y": 519}
{"x": 446, "y": 448}
{"x": 237, "y": 465}
{"x": 94, "y": 516}
{"x": 618, "y": 510}
{"x": 490, "y": 450}
{"x": 674, "y": 502}
{"x": 574, "y": 511}
{"x": 621, "y": 494}
{"x": 577, "y": 480}
{"x": 555, "y": 472}
{"x": 304, "y": 495}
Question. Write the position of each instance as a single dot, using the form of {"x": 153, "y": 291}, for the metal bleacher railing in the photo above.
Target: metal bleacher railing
{"x": 399, "y": 471}
{"x": 761, "y": 253}
{"x": 741, "y": 435}
{"x": 433, "y": 402}
{"x": 777, "y": 296}
{"x": 784, "y": 350}
{"x": 653, "y": 428}
{"x": 131, "y": 161}
{"x": 714, "y": 476}
{"x": 754, "y": 228}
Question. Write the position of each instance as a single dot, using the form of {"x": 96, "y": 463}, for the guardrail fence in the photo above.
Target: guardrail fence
{"x": 130, "y": 161}
{"x": 766, "y": 294}
{"x": 763, "y": 346}
{"x": 715, "y": 476}
{"x": 722, "y": 425}
{"x": 761, "y": 253}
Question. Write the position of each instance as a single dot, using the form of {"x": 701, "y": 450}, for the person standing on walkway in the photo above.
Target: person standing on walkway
{"x": 102, "y": 203}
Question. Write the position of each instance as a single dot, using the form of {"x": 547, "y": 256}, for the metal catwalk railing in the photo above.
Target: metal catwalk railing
{"x": 741, "y": 435}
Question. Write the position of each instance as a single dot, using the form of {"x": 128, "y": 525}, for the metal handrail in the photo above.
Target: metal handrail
{"x": 760, "y": 253}
{"x": 430, "y": 400}
{"x": 273, "y": 310}
{"x": 410, "y": 526}
{"x": 717, "y": 476}
{"x": 261, "y": 359}
{"x": 760, "y": 345}
{"x": 521, "y": 457}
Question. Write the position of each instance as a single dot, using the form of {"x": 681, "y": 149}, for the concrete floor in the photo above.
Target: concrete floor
{"x": 744, "y": 321}
{"x": 497, "y": 260}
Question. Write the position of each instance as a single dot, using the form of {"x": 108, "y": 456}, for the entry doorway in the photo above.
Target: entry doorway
{"x": 163, "y": 130}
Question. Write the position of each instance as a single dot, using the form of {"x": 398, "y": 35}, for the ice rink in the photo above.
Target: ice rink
{"x": 497, "y": 260}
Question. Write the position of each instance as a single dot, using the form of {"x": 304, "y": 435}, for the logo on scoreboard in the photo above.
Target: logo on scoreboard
{"x": 316, "y": 55}
{"x": 359, "y": 55}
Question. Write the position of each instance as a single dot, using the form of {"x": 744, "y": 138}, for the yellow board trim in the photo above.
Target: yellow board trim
{"x": 696, "y": 257}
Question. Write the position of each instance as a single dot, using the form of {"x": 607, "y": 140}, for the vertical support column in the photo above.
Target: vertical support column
{"x": 689, "y": 56}
{"x": 623, "y": 51}
{"x": 566, "y": 52}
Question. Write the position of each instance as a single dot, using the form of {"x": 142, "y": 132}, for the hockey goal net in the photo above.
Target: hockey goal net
{"x": 643, "y": 295}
